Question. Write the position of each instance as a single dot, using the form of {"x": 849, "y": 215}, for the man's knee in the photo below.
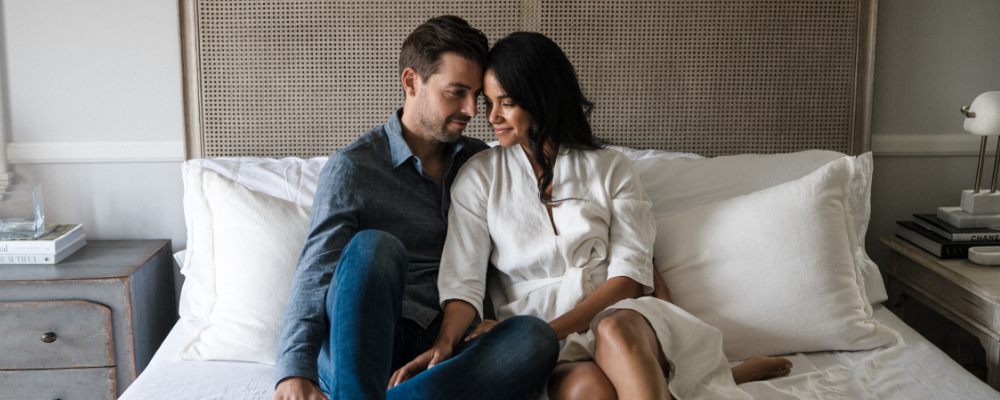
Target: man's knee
{"x": 379, "y": 245}
{"x": 372, "y": 260}
{"x": 375, "y": 252}
{"x": 535, "y": 337}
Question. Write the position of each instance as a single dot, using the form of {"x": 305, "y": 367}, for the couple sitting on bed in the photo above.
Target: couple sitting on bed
{"x": 407, "y": 218}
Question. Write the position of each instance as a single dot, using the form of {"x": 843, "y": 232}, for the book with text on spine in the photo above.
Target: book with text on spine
{"x": 44, "y": 258}
{"x": 934, "y": 243}
{"x": 938, "y": 226}
{"x": 55, "y": 240}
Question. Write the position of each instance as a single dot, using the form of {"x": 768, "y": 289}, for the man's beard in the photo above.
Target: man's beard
{"x": 440, "y": 129}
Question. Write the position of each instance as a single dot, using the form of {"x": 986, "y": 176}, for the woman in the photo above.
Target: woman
{"x": 569, "y": 228}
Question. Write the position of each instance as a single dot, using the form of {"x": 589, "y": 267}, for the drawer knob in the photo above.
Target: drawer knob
{"x": 49, "y": 337}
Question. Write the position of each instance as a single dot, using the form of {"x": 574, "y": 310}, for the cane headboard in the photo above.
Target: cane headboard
{"x": 277, "y": 78}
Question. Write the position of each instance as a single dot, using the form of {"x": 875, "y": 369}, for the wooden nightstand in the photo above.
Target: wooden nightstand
{"x": 84, "y": 328}
{"x": 966, "y": 293}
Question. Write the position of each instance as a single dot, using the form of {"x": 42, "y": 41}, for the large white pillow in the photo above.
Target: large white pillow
{"x": 256, "y": 243}
{"x": 676, "y": 182}
{"x": 776, "y": 270}
{"x": 291, "y": 179}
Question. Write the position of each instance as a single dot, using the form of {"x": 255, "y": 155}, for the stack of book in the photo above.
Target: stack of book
{"x": 58, "y": 242}
{"x": 943, "y": 239}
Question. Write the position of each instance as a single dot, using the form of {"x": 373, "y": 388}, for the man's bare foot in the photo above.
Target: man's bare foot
{"x": 761, "y": 368}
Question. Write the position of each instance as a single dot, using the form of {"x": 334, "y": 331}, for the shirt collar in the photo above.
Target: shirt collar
{"x": 394, "y": 130}
{"x": 397, "y": 145}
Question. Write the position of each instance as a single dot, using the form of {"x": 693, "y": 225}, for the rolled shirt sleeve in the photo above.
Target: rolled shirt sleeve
{"x": 464, "y": 262}
{"x": 632, "y": 230}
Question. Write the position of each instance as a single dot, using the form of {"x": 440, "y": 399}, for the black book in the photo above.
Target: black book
{"x": 933, "y": 223}
{"x": 934, "y": 243}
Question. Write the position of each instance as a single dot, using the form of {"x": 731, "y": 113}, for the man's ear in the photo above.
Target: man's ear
{"x": 410, "y": 80}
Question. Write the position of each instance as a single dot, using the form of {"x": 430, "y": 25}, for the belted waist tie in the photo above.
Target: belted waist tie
{"x": 574, "y": 286}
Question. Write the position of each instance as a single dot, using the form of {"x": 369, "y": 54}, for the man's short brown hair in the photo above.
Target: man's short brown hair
{"x": 423, "y": 48}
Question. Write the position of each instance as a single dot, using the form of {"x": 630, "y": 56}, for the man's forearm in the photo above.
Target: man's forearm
{"x": 458, "y": 316}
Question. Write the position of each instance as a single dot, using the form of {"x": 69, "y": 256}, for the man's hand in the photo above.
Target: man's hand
{"x": 483, "y": 327}
{"x": 437, "y": 354}
{"x": 298, "y": 388}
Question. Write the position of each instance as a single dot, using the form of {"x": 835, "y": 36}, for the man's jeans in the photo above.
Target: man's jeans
{"x": 368, "y": 338}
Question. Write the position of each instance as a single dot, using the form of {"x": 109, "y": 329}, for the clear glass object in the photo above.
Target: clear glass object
{"x": 21, "y": 213}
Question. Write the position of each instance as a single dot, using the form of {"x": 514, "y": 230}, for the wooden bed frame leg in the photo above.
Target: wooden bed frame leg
{"x": 992, "y": 348}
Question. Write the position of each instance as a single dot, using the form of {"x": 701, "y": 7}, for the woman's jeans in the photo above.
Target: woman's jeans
{"x": 369, "y": 339}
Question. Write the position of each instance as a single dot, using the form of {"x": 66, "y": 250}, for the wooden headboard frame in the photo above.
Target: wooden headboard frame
{"x": 277, "y": 78}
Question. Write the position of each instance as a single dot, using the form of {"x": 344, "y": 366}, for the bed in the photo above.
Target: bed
{"x": 734, "y": 108}
{"x": 909, "y": 367}
{"x": 915, "y": 370}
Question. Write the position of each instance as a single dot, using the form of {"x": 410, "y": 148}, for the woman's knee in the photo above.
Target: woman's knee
{"x": 622, "y": 328}
{"x": 580, "y": 381}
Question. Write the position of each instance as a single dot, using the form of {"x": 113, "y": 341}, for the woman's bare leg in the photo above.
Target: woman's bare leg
{"x": 630, "y": 355}
{"x": 760, "y": 368}
{"x": 580, "y": 381}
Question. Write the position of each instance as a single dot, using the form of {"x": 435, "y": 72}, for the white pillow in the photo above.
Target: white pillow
{"x": 257, "y": 240}
{"x": 776, "y": 269}
{"x": 676, "y": 182}
{"x": 291, "y": 179}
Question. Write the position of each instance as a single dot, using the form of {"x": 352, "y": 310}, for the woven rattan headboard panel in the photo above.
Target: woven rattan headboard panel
{"x": 276, "y": 78}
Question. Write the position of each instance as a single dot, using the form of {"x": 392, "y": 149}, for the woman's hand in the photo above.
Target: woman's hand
{"x": 660, "y": 289}
{"x": 437, "y": 354}
{"x": 483, "y": 327}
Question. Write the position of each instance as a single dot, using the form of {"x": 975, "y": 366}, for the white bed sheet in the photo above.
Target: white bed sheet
{"x": 914, "y": 369}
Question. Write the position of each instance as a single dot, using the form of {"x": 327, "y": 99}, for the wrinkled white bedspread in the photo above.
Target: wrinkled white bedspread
{"x": 914, "y": 369}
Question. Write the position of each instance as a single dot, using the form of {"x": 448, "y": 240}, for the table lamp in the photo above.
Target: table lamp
{"x": 983, "y": 118}
{"x": 979, "y": 209}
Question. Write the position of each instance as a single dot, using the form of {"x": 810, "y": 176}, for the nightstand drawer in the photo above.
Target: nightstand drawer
{"x": 62, "y": 384}
{"x": 56, "y": 334}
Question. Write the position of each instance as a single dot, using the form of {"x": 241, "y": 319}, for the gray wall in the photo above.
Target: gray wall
{"x": 932, "y": 58}
{"x": 85, "y": 74}
{"x": 99, "y": 71}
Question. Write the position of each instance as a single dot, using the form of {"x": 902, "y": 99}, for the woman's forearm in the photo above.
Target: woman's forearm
{"x": 458, "y": 316}
{"x": 578, "y": 319}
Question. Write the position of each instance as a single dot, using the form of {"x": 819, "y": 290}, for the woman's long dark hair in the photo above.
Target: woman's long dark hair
{"x": 536, "y": 74}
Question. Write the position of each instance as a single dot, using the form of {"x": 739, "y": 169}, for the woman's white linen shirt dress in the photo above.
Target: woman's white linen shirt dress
{"x": 605, "y": 230}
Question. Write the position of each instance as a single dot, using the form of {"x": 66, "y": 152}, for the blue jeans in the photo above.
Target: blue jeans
{"x": 369, "y": 339}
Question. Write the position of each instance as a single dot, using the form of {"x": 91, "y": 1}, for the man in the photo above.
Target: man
{"x": 364, "y": 299}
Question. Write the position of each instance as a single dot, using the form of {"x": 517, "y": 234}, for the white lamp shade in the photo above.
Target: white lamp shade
{"x": 987, "y": 115}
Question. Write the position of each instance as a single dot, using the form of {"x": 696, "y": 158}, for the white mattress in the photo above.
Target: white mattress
{"x": 913, "y": 369}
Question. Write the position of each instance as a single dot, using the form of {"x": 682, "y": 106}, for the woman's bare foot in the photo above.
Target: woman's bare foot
{"x": 761, "y": 368}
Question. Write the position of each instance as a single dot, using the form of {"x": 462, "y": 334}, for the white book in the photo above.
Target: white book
{"x": 44, "y": 258}
{"x": 55, "y": 240}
